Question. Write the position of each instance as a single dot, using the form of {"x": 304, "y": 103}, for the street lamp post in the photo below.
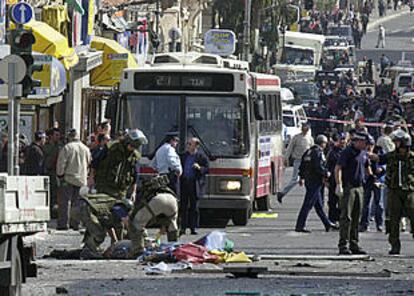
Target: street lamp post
{"x": 246, "y": 35}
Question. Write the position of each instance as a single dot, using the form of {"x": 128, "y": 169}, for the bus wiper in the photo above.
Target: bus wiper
{"x": 202, "y": 143}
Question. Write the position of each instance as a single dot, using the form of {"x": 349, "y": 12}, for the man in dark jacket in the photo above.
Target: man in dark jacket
{"x": 340, "y": 141}
{"x": 313, "y": 172}
{"x": 195, "y": 167}
{"x": 34, "y": 163}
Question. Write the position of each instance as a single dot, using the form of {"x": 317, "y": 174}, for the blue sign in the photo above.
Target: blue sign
{"x": 221, "y": 42}
{"x": 22, "y": 13}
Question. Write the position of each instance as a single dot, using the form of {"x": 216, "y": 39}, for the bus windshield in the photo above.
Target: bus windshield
{"x": 297, "y": 56}
{"x": 219, "y": 121}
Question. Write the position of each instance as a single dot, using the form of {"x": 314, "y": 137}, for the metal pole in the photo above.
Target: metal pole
{"x": 11, "y": 108}
{"x": 157, "y": 19}
{"x": 17, "y": 133}
{"x": 246, "y": 35}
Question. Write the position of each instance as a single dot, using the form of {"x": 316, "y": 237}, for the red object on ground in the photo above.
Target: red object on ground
{"x": 195, "y": 254}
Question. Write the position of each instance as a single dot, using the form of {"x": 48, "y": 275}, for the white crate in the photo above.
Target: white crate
{"x": 24, "y": 199}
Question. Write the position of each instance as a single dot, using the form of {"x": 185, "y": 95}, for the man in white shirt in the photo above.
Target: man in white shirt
{"x": 167, "y": 162}
{"x": 296, "y": 148}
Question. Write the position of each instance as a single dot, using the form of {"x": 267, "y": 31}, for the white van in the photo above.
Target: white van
{"x": 403, "y": 82}
{"x": 293, "y": 118}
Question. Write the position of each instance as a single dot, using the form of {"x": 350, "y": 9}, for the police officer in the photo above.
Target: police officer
{"x": 350, "y": 172}
{"x": 102, "y": 214}
{"x": 156, "y": 205}
{"x": 117, "y": 171}
{"x": 313, "y": 172}
{"x": 400, "y": 182}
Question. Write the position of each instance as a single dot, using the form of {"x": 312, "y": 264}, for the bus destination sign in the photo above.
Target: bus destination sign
{"x": 184, "y": 81}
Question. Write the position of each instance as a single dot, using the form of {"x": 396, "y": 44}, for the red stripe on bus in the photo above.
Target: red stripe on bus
{"x": 268, "y": 81}
{"x": 147, "y": 170}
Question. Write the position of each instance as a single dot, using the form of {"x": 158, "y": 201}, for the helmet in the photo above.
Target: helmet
{"x": 401, "y": 135}
{"x": 121, "y": 208}
{"x": 136, "y": 138}
{"x": 321, "y": 139}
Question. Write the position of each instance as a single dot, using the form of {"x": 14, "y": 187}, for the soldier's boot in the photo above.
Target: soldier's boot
{"x": 387, "y": 226}
{"x": 89, "y": 254}
{"x": 172, "y": 236}
{"x": 138, "y": 243}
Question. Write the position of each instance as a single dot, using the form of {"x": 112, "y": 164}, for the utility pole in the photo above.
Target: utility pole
{"x": 157, "y": 18}
{"x": 246, "y": 34}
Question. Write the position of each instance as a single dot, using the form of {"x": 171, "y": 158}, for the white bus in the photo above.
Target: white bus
{"x": 237, "y": 115}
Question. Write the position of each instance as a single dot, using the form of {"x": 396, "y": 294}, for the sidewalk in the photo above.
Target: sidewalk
{"x": 391, "y": 14}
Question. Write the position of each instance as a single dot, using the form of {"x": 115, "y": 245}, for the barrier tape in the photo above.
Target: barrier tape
{"x": 340, "y": 121}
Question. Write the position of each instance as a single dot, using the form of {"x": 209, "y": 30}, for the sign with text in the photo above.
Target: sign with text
{"x": 221, "y": 42}
{"x": 26, "y": 124}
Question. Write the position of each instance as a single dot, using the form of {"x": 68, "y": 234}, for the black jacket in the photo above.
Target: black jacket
{"x": 34, "y": 160}
{"x": 200, "y": 175}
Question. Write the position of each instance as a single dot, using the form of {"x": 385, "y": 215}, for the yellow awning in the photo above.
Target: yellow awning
{"x": 115, "y": 59}
{"x": 51, "y": 42}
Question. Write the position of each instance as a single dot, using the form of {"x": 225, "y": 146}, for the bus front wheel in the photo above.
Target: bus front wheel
{"x": 241, "y": 217}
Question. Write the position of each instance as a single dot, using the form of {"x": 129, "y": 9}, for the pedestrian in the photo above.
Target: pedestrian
{"x": 385, "y": 141}
{"x": 116, "y": 172}
{"x": 98, "y": 154}
{"x": 72, "y": 170}
{"x": 381, "y": 8}
{"x": 373, "y": 187}
{"x": 381, "y": 37}
{"x": 51, "y": 152}
{"x": 167, "y": 162}
{"x": 102, "y": 214}
{"x": 4, "y": 150}
{"x": 339, "y": 143}
{"x": 400, "y": 183}
{"x": 295, "y": 150}
{"x": 34, "y": 156}
{"x": 313, "y": 173}
{"x": 192, "y": 181}
{"x": 156, "y": 205}
{"x": 350, "y": 172}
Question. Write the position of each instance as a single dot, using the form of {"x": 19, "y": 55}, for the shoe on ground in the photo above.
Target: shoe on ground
{"x": 303, "y": 230}
{"x": 62, "y": 228}
{"x": 358, "y": 251}
{"x": 331, "y": 226}
{"x": 345, "y": 252}
{"x": 280, "y": 196}
{"x": 182, "y": 232}
{"x": 193, "y": 232}
{"x": 379, "y": 229}
{"x": 362, "y": 229}
{"x": 394, "y": 252}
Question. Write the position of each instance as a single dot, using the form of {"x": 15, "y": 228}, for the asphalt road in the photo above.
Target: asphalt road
{"x": 384, "y": 275}
{"x": 399, "y": 39}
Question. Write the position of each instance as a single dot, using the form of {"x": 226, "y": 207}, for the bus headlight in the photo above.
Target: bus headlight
{"x": 230, "y": 185}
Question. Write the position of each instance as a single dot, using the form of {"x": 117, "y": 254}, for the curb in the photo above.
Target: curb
{"x": 373, "y": 24}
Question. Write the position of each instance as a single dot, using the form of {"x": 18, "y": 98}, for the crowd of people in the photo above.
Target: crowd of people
{"x": 98, "y": 185}
{"x": 367, "y": 179}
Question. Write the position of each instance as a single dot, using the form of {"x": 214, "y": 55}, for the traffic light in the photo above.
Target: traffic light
{"x": 21, "y": 45}
{"x": 308, "y": 4}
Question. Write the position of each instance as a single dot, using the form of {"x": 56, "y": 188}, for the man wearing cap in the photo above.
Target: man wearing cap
{"x": 350, "y": 175}
{"x": 72, "y": 171}
{"x": 116, "y": 173}
{"x": 34, "y": 156}
{"x": 296, "y": 148}
{"x": 340, "y": 141}
{"x": 313, "y": 172}
{"x": 167, "y": 162}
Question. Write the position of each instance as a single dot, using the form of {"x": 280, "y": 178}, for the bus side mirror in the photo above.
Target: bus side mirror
{"x": 110, "y": 109}
{"x": 259, "y": 110}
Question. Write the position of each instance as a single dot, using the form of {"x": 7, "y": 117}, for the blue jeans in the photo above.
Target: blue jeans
{"x": 378, "y": 193}
{"x": 313, "y": 199}
{"x": 295, "y": 177}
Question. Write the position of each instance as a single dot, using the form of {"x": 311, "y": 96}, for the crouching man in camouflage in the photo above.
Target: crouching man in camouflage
{"x": 102, "y": 214}
{"x": 156, "y": 205}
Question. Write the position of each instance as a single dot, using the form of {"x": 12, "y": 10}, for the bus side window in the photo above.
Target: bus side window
{"x": 271, "y": 112}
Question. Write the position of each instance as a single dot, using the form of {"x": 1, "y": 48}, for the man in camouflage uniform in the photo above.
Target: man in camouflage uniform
{"x": 156, "y": 205}
{"x": 102, "y": 214}
{"x": 116, "y": 173}
{"x": 400, "y": 183}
